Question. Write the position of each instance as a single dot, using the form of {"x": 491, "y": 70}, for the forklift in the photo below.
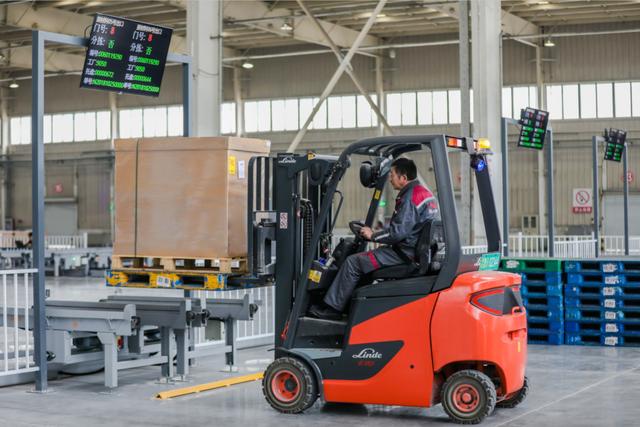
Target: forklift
{"x": 446, "y": 328}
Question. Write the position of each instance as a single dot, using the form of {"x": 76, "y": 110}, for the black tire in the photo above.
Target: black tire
{"x": 516, "y": 398}
{"x": 468, "y": 397}
{"x": 289, "y": 385}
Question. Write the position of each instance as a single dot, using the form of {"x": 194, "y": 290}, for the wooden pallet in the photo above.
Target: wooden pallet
{"x": 212, "y": 265}
{"x": 146, "y": 278}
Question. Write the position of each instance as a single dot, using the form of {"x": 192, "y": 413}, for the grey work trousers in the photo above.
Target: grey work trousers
{"x": 355, "y": 266}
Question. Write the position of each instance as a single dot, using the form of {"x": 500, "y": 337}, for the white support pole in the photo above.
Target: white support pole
{"x": 336, "y": 76}
{"x": 465, "y": 124}
{"x": 487, "y": 93}
{"x": 204, "y": 38}
{"x": 349, "y": 69}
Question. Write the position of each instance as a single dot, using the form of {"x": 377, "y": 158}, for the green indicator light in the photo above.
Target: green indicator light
{"x": 111, "y": 44}
{"x": 529, "y": 128}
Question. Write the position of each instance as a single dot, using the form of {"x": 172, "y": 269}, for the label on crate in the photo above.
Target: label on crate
{"x": 512, "y": 264}
{"x": 163, "y": 282}
{"x": 611, "y": 341}
{"x": 611, "y": 280}
{"x": 608, "y": 291}
{"x": 611, "y": 328}
{"x": 610, "y": 303}
{"x": 609, "y": 268}
{"x": 610, "y": 315}
{"x": 232, "y": 165}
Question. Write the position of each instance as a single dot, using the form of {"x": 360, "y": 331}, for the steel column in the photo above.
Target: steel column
{"x": 336, "y": 76}
{"x": 37, "y": 212}
{"x": 465, "y": 122}
{"x": 550, "y": 207}
{"x": 625, "y": 166}
{"x": 596, "y": 213}
{"x": 504, "y": 142}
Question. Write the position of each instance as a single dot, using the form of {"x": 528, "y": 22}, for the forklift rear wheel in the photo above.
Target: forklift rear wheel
{"x": 289, "y": 385}
{"x": 516, "y": 398}
{"x": 468, "y": 397}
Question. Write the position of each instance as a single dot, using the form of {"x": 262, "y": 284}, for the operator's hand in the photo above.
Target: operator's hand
{"x": 366, "y": 232}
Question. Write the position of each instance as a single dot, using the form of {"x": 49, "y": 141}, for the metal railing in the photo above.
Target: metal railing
{"x": 537, "y": 246}
{"x": 16, "y": 338}
{"x": 614, "y": 245}
{"x": 9, "y": 239}
{"x": 66, "y": 242}
{"x": 475, "y": 249}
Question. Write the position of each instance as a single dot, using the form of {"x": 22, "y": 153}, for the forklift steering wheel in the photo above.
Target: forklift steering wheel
{"x": 355, "y": 227}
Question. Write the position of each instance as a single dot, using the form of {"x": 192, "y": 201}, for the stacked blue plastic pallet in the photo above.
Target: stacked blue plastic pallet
{"x": 602, "y": 300}
{"x": 542, "y": 298}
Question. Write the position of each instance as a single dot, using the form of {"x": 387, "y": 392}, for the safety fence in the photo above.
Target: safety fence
{"x": 614, "y": 245}
{"x": 20, "y": 239}
{"x": 537, "y": 246}
{"x": 16, "y": 338}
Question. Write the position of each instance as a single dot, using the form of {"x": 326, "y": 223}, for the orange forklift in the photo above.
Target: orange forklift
{"x": 446, "y": 328}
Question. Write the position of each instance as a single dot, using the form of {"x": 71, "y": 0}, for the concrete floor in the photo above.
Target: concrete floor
{"x": 570, "y": 386}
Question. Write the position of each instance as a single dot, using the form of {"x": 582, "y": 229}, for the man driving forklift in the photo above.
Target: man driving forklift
{"x": 415, "y": 204}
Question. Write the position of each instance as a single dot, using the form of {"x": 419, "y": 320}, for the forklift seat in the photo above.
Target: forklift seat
{"x": 430, "y": 242}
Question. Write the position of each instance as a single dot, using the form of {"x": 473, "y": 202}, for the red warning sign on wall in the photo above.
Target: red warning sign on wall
{"x": 582, "y": 201}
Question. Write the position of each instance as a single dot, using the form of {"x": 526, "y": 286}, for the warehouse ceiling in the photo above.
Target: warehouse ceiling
{"x": 251, "y": 26}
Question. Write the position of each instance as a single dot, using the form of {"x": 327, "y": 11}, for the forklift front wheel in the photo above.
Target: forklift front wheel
{"x": 468, "y": 397}
{"x": 289, "y": 385}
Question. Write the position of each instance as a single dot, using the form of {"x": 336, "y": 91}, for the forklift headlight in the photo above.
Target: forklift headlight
{"x": 478, "y": 163}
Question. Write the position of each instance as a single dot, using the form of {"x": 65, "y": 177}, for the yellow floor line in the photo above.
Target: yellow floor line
{"x": 209, "y": 386}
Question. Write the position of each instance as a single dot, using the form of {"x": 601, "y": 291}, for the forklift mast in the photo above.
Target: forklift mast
{"x": 284, "y": 199}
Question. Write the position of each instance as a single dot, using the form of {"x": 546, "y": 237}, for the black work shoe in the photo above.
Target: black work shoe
{"x": 324, "y": 312}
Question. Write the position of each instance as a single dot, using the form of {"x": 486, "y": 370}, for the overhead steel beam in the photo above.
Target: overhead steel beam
{"x": 256, "y": 14}
{"x": 349, "y": 69}
{"x": 336, "y": 76}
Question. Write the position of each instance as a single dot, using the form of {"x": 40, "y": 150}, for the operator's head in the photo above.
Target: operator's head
{"x": 402, "y": 172}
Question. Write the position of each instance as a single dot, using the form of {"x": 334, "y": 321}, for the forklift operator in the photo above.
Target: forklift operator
{"x": 415, "y": 204}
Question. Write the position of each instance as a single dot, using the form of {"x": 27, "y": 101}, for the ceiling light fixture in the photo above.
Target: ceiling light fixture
{"x": 247, "y": 65}
{"x": 549, "y": 42}
{"x": 286, "y": 27}
{"x": 14, "y": 84}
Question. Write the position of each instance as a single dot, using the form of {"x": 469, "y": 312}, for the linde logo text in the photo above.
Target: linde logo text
{"x": 367, "y": 353}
